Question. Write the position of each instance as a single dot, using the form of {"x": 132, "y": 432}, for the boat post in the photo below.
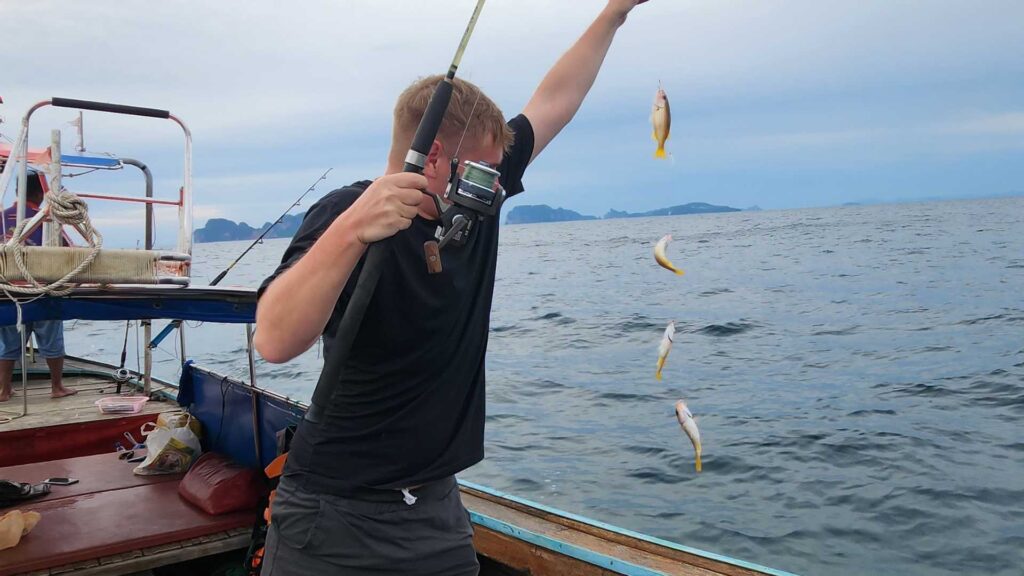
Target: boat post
{"x": 252, "y": 392}
{"x": 147, "y": 324}
{"x": 51, "y": 229}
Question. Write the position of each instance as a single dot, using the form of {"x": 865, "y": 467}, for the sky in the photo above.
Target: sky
{"x": 779, "y": 104}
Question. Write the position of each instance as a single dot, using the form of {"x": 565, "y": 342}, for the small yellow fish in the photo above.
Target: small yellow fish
{"x": 665, "y": 346}
{"x": 690, "y": 427}
{"x": 659, "y": 254}
{"x": 661, "y": 120}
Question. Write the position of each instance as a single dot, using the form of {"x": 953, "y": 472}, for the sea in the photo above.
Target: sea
{"x": 857, "y": 374}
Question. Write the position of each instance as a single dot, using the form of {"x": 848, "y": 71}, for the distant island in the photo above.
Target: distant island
{"x": 544, "y": 213}
{"x": 224, "y": 230}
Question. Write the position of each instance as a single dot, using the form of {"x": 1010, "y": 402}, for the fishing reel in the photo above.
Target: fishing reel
{"x": 121, "y": 376}
{"x": 471, "y": 197}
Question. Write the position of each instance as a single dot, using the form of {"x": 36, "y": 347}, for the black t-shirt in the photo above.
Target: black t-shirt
{"x": 410, "y": 406}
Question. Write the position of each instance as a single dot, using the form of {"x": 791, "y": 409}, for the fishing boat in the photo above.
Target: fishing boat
{"x": 112, "y": 521}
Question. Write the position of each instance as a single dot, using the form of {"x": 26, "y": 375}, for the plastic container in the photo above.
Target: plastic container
{"x": 122, "y": 404}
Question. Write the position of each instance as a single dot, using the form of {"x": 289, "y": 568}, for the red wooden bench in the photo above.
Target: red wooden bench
{"x": 110, "y": 511}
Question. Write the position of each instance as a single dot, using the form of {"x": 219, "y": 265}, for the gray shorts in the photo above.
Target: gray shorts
{"x": 328, "y": 534}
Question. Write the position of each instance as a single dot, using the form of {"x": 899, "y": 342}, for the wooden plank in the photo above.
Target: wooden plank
{"x": 43, "y": 392}
{"x": 141, "y": 562}
{"x": 118, "y": 558}
{"x": 77, "y": 566}
{"x": 514, "y": 554}
{"x": 659, "y": 560}
{"x": 155, "y": 550}
{"x": 516, "y": 512}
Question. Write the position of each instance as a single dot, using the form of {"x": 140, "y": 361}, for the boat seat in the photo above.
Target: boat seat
{"x": 111, "y": 266}
{"x": 109, "y": 511}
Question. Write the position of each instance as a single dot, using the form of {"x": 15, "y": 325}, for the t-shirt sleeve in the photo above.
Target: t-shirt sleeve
{"x": 513, "y": 165}
{"x": 317, "y": 219}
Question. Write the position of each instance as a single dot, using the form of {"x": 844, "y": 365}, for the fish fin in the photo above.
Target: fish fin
{"x": 654, "y": 135}
{"x": 678, "y": 271}
{"x": 660, "y": 152}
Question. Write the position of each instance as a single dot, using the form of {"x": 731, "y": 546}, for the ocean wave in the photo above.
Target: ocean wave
{"x": 727, "y": 329}
{"x": 649, "y": 475}
{"x": 637, "y": 324}
{"x": 508, "y": 328}
{"x": 557, "y": 317}
{"x": 874, "y": 412}
{"x": 838, "y": 332}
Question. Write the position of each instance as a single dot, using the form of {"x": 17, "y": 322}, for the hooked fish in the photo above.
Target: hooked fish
{"x": 659, "y": 254}
{"x": 661, "y": 121}
{"x": 665, "y": 346}
{"x": 689, "y": 425}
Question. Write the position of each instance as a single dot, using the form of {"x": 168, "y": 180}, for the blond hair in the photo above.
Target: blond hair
{"x": 486, "y": 122}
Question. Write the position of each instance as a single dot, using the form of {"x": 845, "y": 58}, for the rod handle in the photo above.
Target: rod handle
{"x": 430, "y": 123}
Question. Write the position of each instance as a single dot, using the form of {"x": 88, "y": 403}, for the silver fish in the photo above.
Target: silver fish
{"x": 689, "y": 425}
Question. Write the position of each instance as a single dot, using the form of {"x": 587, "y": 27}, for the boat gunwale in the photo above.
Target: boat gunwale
{"x": 605, "y": 531}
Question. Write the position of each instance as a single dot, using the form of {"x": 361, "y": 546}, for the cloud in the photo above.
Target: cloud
{"x": 1000, "y": 124}
{"x": 276, "y": 94}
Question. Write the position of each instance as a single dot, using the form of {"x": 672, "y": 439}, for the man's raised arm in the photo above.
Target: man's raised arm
{"x": 563, "y": 89}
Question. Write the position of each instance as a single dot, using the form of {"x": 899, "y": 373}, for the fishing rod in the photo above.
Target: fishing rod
{"x": 265, "y": 232}
{"x": 174, "y": 324}
{"x": 415, "y": 160}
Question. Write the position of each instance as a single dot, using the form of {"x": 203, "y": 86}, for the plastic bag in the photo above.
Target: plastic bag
{"x": 179, "y": 418}
{"x": 169, "y": 450}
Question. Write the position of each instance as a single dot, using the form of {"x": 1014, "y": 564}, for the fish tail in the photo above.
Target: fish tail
{"x": 698, "y": 463}
{"x": 677, "y": 271}
{"x": 660, "y": 152}
{"x": 661, "y": 363}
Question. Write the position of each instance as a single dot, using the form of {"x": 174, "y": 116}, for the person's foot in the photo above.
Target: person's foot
{"x": 6, "y": 394}
{"x": 62, "y": 392}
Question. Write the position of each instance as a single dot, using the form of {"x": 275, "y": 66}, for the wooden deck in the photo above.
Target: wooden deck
{"x": 91, "y": 383}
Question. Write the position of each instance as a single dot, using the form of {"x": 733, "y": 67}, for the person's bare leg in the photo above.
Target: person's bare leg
{"x": 57, "y": 389}
{"x": 6, "y": 373}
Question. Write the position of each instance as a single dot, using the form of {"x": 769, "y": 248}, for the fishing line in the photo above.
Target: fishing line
{"x": 468, "y": 122}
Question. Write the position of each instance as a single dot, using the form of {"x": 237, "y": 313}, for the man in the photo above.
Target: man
{"x": 49, "y": 333}
{"x": 371, "y": 489}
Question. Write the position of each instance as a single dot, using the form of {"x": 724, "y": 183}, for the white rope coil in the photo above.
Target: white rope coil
{"x": 66, "y": 209}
